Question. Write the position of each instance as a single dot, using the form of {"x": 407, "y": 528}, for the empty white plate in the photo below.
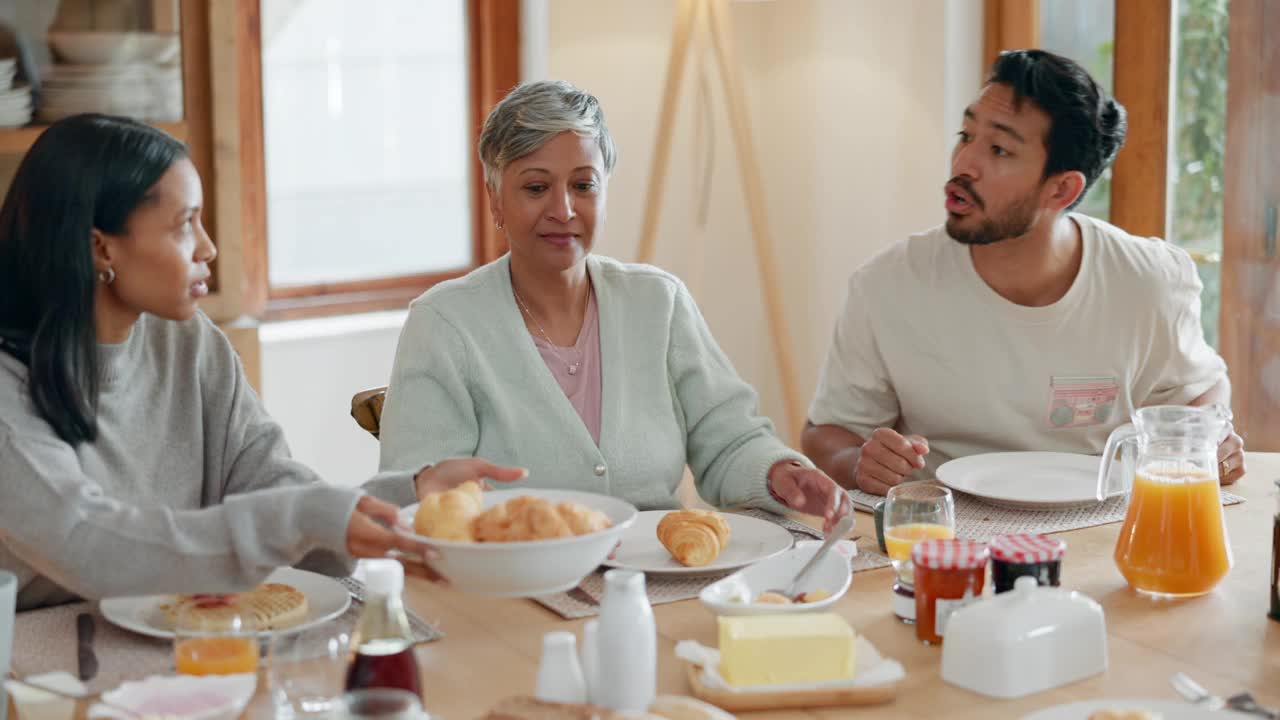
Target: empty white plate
{"x": 750, "y": 540}
{"x": 1028, "y": 480}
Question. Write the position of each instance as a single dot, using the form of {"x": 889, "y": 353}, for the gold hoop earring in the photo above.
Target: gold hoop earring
{"x": 106, "y": 277}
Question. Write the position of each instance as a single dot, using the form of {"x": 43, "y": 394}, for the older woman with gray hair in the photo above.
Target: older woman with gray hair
{"x": 594, "y": 374}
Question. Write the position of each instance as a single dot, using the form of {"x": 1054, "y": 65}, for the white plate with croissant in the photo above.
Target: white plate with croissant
{"x": 518, "y": 543}
{"x": 289, "y": 599}
{"x": 697, "y": 542}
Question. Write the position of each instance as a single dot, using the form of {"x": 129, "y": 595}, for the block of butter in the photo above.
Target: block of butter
{"x": 785, "y": 649}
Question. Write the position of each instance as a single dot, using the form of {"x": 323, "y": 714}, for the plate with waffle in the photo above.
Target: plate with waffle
{"x": 288, "y": 600}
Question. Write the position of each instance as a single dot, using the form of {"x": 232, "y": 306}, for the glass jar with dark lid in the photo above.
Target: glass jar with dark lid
{"x": 1037, "y": 556}
{"x": 1275, "y": 560}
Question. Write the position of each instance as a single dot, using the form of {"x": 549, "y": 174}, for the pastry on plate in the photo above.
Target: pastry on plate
{"x": 273, "y": 606}
{"x": 693, "y": 537}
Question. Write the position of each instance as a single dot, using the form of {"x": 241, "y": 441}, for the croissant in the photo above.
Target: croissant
{"x": 582, "y": 519}
{"x": 693, "y": 537}
{"x": 531, "y": 518}
{"x": 447, "y": 515}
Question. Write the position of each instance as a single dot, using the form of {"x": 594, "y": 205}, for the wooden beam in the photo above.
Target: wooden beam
{"x": 495, "y": 70}
{"x": 1249, "y": 336}
{"x": 1009, "y": 25}
{"x": 688, "y": 15}
{"x": 165, "y": 16}
{"x": 753, "y": 189}
{"x": 1143, "y": 63}
{"x": 252, "y": 163}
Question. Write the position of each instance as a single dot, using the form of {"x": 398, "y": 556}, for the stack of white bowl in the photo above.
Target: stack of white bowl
{"x": 15, "y": 102}
{"x": 136, "y": 74}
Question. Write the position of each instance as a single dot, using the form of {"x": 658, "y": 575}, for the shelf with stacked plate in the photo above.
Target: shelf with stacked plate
{"x": 17, "y": 140}
{"x": 135, "y": 74}
{"x": 188, "y": 67}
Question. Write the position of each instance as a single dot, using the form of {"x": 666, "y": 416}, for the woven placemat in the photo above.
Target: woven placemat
{"x": 45, "y": 641}
{"x": 978, "y": 520}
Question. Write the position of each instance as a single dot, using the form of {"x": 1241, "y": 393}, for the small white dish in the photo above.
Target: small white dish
{"x": 750, "y": 540}
{"x": 326, "y": 599}
{"x": 32, "y": 703}
{"x": 534, "y": 567}
{"x": 734, "y": 595}
{"x": 1165, "y": 709}
{"x": 1028, "y": 480}
{"x": 207, "y": 697}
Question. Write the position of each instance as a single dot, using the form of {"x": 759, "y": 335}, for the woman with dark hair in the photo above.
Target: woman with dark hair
{"x": 136, "y": 458}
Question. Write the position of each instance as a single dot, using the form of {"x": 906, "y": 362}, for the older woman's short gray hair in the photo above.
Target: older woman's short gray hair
{"x": 532, "y": 114}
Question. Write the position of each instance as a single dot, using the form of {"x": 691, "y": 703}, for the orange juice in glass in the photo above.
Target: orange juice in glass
{"x": 915, "y": 512}
{"x": 1173, "y": 542}
{"x": 216, "y": 655}
{"x": 225, "y": 650}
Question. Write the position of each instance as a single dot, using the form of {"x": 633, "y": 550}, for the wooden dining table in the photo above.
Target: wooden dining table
{"x": 1224, "y": 640}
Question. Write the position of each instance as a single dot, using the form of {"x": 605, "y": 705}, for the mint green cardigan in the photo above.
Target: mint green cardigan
{"x": 468, "y": 381}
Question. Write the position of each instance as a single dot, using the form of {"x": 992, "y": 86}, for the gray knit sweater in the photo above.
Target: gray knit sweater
{"x": 188, "y": 487}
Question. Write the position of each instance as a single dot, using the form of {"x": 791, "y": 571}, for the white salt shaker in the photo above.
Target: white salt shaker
{"x": 590, "y": 632}
{"x": 559, "y": 675}
{"x": 626, "y": 645}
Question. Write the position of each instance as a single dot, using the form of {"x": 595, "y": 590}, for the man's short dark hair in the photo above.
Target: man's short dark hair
{"x": 1087, "y": 126}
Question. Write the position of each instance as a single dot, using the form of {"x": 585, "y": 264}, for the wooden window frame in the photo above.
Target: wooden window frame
{"x": 1143, "y": 59}
{"x": 493, "y": 50}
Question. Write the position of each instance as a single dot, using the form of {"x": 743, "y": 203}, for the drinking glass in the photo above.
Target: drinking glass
{"x": 382, "y": 704}
{"x": 913, "y": 512}
{"x": 229, "y": 651}
{"x": 306, "y": 671}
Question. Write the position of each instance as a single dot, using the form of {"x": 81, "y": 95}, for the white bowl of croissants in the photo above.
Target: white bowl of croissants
{"x": 518, "y": 543}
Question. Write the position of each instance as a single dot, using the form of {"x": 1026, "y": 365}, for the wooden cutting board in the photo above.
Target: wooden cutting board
{"x": 788, "y": 699}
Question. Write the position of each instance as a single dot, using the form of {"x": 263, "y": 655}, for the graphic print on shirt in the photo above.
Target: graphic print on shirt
{"x": 1081, "y": 401}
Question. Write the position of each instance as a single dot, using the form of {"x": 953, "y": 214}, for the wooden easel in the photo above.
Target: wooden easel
{"x": 713, "y": 16}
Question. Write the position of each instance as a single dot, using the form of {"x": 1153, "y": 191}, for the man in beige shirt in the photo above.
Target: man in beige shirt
{"x": 1017, "y": 325}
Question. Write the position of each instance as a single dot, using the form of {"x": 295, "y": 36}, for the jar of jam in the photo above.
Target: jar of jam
{"x": 1275, "y": 560}
{"x": 949, "y": 575}
{"x": 1013, "y": 556}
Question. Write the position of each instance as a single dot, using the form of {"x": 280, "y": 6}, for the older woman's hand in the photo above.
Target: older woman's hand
{"x": 370, "y": 535}
{"x": 449, "y": 474}
{"x": 809, "y": 491}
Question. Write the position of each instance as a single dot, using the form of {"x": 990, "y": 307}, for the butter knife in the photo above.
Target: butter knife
{"x": 88, "y": 662}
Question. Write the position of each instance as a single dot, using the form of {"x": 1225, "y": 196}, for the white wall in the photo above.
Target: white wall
{"x": 852, "y": 105}
{"x": 310, "y": 370}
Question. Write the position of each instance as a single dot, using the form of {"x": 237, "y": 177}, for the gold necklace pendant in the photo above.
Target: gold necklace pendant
{"x": 572, "y": 368}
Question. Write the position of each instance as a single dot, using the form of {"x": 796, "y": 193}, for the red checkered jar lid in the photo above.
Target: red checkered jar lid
{"x": 950, "y": 554}
{"x": 1027, "y": 549}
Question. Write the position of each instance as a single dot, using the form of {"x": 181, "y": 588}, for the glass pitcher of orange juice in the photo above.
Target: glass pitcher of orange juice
{"x": 1173, "y": 542}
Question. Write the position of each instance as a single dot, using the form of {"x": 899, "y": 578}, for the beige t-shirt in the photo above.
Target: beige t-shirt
{"x": 925, "y": 346}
